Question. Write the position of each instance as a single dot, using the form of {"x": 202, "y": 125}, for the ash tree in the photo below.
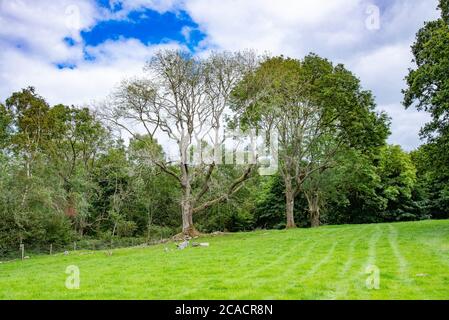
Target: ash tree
{"x": 317, "y": 109}
{"x": 184, "y": 98}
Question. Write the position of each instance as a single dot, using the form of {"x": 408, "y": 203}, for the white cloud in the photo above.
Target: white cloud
{"x": 186, "y": 31}
{"x": 383, "y": 70}
{"x": 123, "y": 7}
{"x": 406, "y": 125}
{"x": 283, "y": 26}
{"x": 89, "y": 81}
{"x": 39, "y": 27}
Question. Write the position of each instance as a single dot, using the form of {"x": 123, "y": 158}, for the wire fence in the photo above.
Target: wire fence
{"x": 27, "y": 250}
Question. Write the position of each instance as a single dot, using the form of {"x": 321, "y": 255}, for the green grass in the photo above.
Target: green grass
{"x": 324, "y": 263}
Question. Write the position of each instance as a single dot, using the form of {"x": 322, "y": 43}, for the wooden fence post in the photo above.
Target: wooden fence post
{"x": 22, "y": 249}
{"x": 51, "y": 248}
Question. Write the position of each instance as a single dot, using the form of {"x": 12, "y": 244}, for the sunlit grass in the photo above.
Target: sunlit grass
{"x": 324, "y": 263}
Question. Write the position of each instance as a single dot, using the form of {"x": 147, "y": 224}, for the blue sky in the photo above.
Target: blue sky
{"x": 75, "y": 52}
{"x": 148, "y": 26}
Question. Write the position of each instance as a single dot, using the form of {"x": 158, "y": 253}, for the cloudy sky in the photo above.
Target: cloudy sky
{"x": 75, "y": 52}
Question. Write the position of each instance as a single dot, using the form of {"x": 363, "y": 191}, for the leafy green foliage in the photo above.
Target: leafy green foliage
{"x": 5, "y": 126}
{"x": 428, "y": 90}
{"x": 432, "y": 187}
{"x": 428, "y": 84}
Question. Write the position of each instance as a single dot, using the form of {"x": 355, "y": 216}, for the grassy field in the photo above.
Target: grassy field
{"x": 325, "y": 263}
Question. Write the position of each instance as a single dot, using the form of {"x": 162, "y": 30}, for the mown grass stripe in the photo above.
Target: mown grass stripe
{"x": 341, "y": 284}
{"x": 368, "y": 257}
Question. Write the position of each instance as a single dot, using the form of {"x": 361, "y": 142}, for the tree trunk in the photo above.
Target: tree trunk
{"x": 290, "y": 202}
{"x": 315, "y": 218}
{"x": 188, "y": 229}
{"x": 314, "y": 209}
